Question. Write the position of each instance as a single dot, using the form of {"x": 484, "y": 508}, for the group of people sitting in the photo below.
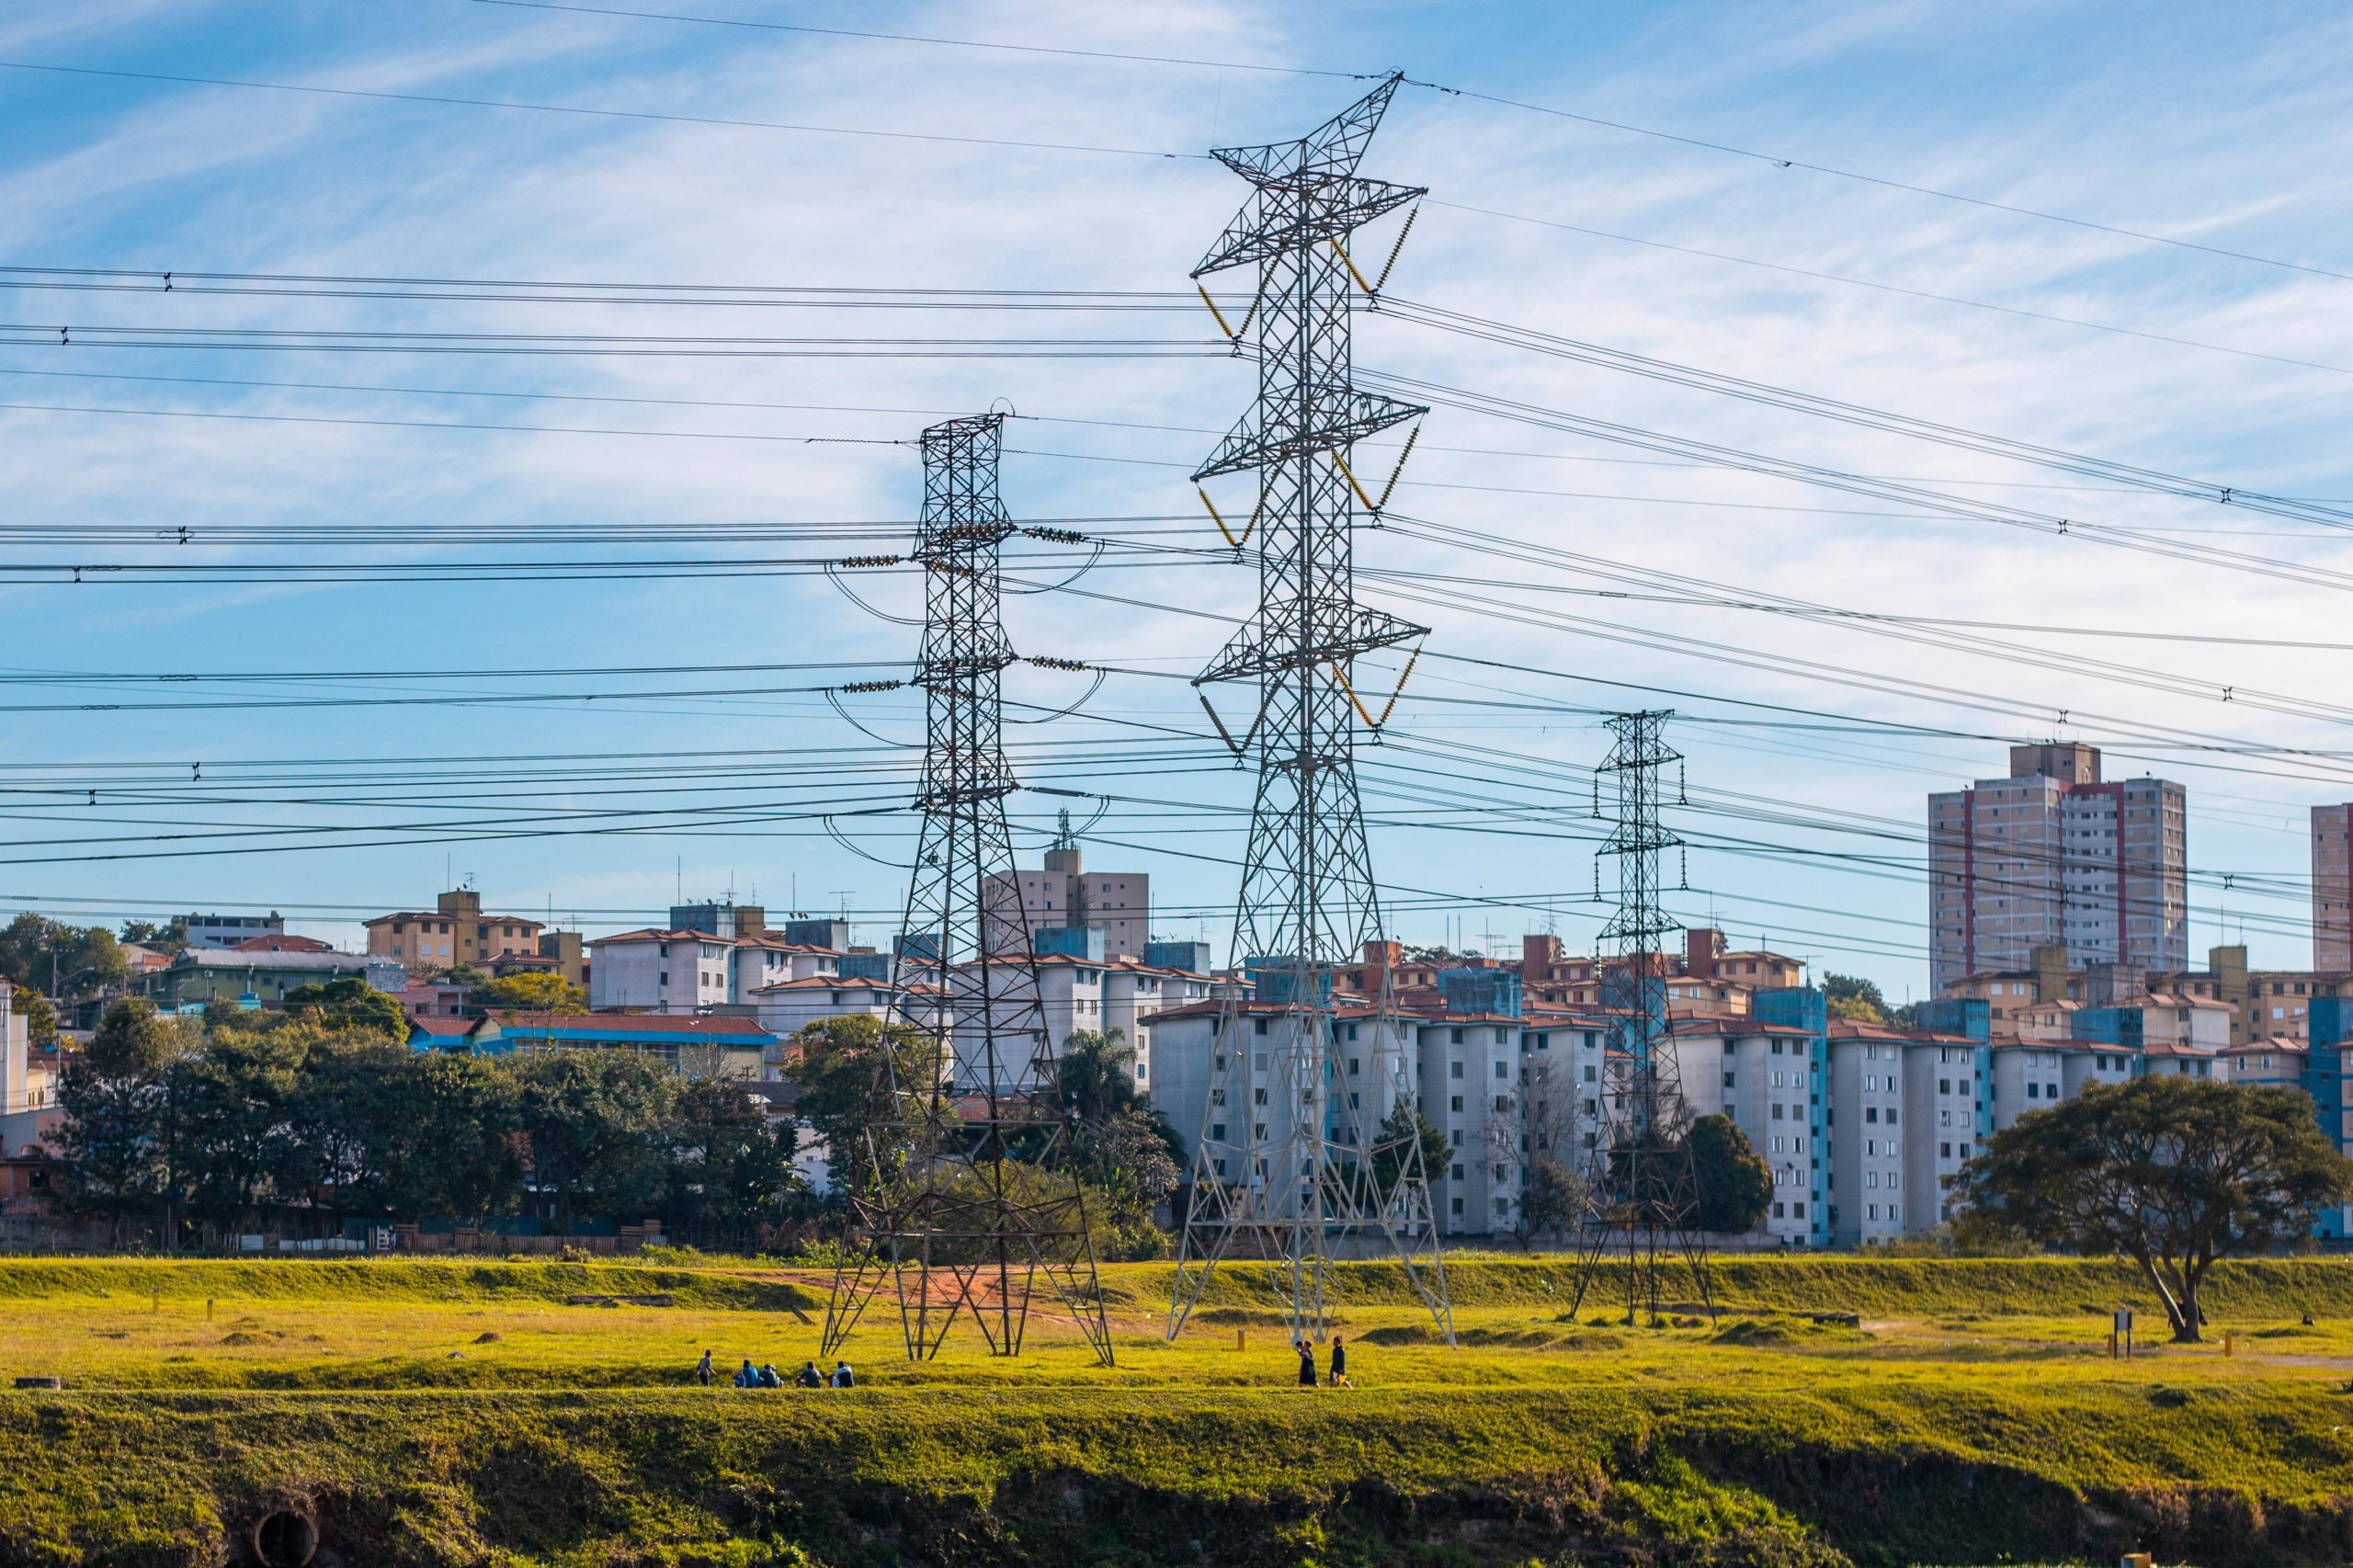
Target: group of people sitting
{"x": 767, "y": 1377}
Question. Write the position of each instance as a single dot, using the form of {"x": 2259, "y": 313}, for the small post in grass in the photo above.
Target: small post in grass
{"x": 1240, "y": 1337}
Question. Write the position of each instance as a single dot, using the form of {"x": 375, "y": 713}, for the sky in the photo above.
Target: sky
{"x": 266, "y": 689}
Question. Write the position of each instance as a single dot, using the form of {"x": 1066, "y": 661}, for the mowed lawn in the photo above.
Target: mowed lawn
{"x": 470, "y": 1412}
{"x": 401, "y": 1324}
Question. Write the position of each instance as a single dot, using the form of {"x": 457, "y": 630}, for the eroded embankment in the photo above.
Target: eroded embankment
{"x": 1466, "y": 1476}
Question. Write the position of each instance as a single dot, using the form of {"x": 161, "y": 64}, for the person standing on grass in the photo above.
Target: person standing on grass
{"x": 702, "y": 1369}
{"x": 1306, "y": 1365}
{"x": 1340, "y": 1365}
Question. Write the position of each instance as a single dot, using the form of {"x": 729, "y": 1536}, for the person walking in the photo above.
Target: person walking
{"x": 842, "y": 1377}
{"x": 702, "y": 1369}
{"x": 1306, "y": 1365}
{"x": 1340, "y": 1365}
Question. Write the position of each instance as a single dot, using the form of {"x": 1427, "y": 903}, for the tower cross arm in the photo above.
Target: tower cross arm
{"x": 1251, "y": 652}
{"x": 1300, "y": 211}
{"x": 1323, "y": 419}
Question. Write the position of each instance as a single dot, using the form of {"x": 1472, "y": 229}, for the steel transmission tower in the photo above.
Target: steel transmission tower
{"x": 1297, "y": 1159}
{"x": 1641, "y": 1190}
{"x": 955, "y": 1206}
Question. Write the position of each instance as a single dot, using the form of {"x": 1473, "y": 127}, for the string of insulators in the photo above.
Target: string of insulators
{"x": 1342, "y": 464}
{"x": 1223, "y": 325}
{"x": 1411, "y": 437}
{"x": 1341, "y": 676}
{"x": 1405, "y": 676}
{"x": 860, "y": 561}
{"x": 870, "y": 686}
{"x": 1214, "y": 517}
{"x": 1046, "y": 662}
{"x": 1392, "y": 262}
{"x": 1056, "y": 536}
{"x": 1341, "y": 251}
{"x": 1681, "y": 799}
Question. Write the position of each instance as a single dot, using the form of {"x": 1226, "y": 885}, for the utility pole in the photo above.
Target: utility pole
{"x": 1298, "y": 1160}
{"x": 1641, "y": 1190}
{"x": 957, "y": 1207}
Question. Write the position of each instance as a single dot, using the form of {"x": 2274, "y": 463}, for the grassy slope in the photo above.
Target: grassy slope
{"x": 1535, "y": 1440}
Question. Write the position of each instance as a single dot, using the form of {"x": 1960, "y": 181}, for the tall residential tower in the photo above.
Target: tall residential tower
{"x": 2053, "y": 857}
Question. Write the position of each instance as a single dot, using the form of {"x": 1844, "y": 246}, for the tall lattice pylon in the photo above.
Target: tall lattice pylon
{"x": 1297, "y": 1162}
{"x": 958, "y": 1205}
{"x": 1641, "y": 1190}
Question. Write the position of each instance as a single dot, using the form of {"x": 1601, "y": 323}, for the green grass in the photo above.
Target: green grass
{"x": 1974, "y": 1417}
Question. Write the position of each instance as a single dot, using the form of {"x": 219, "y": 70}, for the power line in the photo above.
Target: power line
{"x": 451, "y": 100}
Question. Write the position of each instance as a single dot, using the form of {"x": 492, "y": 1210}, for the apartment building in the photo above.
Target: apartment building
{"x": 681, "y": 972}
{"x": 2332, "y": 845}
{"x": 228, "y": 930}
{"x": 1065, "y": 896}
{"x": 455, "y": 931}
{"x": 2054, "y": 857}
{"x": 1709, "y": 976}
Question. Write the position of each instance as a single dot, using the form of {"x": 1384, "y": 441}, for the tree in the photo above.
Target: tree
{"x": 595, "y": 1121}
{"x": 1854, "y": 999}
{"x": 1736, "y": 1183}
{"x": 838, "y": 1066}
{"x": 1131, "y": 1155}
{"x": 112, "y": 1147}
{"x": 227, "y": 1118}
{"x": 1097, "y": 1071}
{"x": 72, "y": 962}
{"x": 352, "y": 1004}
{"x": 534, "y": 990}
{"x": 728, "y": 1170}
{"x": 2173, "y": 1173}
{"x": 40, "y": 1019}
{"x": 458, "y": 1147}
{"x": 1551, "y": 1200}
{"x": 1400, "y": 1130}
{"x": 170, "y": 937}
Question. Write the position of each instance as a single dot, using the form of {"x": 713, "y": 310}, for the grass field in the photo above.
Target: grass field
{"x": 457, "y": 1412}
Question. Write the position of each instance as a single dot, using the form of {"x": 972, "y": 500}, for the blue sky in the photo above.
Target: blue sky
{"x": 2225, "y": 127}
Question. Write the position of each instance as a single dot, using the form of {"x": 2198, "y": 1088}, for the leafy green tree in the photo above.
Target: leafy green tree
{"x": 112, "y": 1149}
{"x": 164, "y": 936}
{"x": 40, "y": 1019}
{"x": 1553, "y": 1199}
{"x": 1400, "y": 1130}
{"x": 70, "y": 962}
{"x": 1096, "y": 1070}
{"x": 457, "y": 1145}
{"x": 728, "y": 1170}
{"x": 1132, "y": 1156}
{"x": 352, "y": 1004}
{"x": 533, "y": 991}
{"x": 1854, "y": 999}
{"x": 2173, "y": 1173}
{"x": 847, "y": 1100}
{"x": 1735, "y": 1181}
{"x": 595, "y": 1122}
{"x": 228, "y": 1112}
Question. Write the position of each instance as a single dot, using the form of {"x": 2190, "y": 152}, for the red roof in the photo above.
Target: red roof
{"x": 442, "y": 1027}
{"x": 280, "y": 942}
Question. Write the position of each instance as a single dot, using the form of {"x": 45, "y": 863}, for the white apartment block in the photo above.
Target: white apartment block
{"x": 662, "y": 972}
{"x": 2052, "y": 856}
{"x": 1871, "y": 1134}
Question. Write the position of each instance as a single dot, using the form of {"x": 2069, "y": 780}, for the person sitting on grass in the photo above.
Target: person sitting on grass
{"x": 1340, "y": 1365}
{"x": 842, "y": 1377}
{"x": 1306, "y": 1365}
{"x": 809, "y": 1377}
{"x": 749, "y": 1376}
{"x": 770, "y": 1378}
